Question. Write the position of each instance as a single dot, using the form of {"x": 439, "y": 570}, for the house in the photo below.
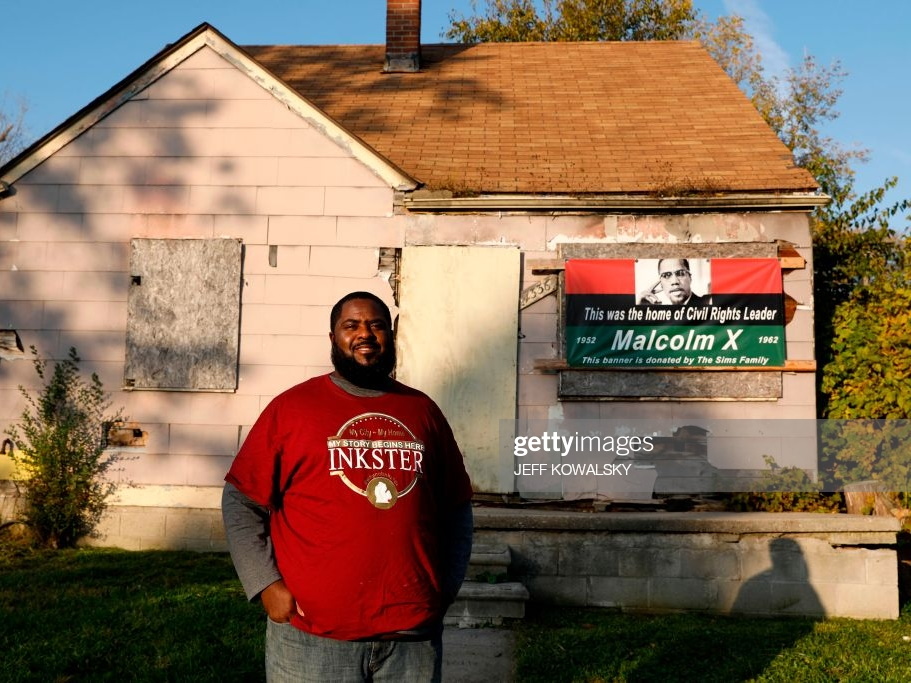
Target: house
{"x": 188, "y": 230}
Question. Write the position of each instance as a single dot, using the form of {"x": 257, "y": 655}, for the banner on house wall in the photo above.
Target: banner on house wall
{"x": 674, "y": 312}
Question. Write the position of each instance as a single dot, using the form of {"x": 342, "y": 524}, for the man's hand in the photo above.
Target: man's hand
{"x": 278, "y": 602}
{"x": 650, "y": 295}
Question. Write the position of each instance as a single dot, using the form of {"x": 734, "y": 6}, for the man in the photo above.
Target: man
{"x": 348, "y": 515}
{"x": 675, "y": 279}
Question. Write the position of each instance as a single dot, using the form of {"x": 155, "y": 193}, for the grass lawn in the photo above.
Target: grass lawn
{"x": 598, "y": 646}
{"x": 112, "y": 615}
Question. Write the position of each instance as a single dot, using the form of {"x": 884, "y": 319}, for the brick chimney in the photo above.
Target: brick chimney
{"x": 403, "y": 36}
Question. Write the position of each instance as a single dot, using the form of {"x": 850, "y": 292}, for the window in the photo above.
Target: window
{"x": 183, "y": 313}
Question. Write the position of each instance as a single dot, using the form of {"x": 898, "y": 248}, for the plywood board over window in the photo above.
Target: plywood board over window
{"x": 458, "y": 342}
{"x": 183, "y": 314}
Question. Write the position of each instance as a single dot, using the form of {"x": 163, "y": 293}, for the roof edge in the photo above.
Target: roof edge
{"x": 204, "y": 35}
{"x": 84, "y": 118}
{"x": 384, "y": 169}
{"x": 519, "y": 202}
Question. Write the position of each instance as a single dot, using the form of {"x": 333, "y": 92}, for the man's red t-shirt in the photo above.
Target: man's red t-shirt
{"x": 357, "y": 488}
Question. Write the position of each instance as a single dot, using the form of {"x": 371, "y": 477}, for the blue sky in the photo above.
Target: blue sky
{"x": 58, "y": 56}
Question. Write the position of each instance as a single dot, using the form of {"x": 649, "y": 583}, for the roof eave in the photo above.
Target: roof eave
{"x": 203, "y": 35}
{"x": 769, "y": 201}
{"x": 101, "y": 106}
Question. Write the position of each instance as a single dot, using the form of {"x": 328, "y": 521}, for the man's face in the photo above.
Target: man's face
{"x": 363, "y": 351}
{"x": 676, "y": 280}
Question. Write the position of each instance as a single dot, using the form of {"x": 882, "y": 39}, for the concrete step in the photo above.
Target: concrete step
{"x": 488, "y": 561}
{"x": 487, "y": 604}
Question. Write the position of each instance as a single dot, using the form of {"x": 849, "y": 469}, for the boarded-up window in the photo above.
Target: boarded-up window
{"x": 183, "y": 315}
{"x": 458, "y": 342}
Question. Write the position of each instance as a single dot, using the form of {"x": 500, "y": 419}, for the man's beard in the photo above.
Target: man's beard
{"x": 374, "y": 376}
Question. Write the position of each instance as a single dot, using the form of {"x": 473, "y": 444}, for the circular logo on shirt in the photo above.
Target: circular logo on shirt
{"x": 376, "y": 456}
{"x": 381, "y": 492}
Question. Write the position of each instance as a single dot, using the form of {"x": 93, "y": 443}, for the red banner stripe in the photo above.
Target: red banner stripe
{"x": 746, "y": 276}
{"x": 600, "y": 276}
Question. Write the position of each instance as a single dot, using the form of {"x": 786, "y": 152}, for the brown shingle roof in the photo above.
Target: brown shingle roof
{"x": 548, "y": 117}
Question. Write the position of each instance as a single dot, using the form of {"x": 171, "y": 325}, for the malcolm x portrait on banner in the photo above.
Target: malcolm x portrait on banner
{"x": 673, "y": 282}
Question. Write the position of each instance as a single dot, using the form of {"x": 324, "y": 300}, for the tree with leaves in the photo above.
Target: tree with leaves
{"x": 574, "y": 20}
{"x": 870, "y": 371}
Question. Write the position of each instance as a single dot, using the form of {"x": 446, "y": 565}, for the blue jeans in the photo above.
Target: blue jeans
{"x": 295, "y": 656}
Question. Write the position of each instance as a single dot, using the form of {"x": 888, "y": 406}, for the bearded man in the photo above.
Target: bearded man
{"x": 348, "y": 515}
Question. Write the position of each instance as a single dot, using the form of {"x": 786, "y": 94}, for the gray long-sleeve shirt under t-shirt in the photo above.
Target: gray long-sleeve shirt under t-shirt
{"x": 250, "y": 543}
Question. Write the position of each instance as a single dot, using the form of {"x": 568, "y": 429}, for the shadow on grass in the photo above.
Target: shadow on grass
{"x": 593, "y": 645}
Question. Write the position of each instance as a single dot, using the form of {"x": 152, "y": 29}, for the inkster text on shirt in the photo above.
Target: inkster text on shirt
{"x": 382, "y": 454}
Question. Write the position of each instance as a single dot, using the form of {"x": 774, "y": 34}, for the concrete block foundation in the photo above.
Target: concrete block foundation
{"x": 767, "y": 564}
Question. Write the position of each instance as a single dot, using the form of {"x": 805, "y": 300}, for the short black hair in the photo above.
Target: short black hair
{"x": 337, "y": 309}
{"x": 685, "y": 262}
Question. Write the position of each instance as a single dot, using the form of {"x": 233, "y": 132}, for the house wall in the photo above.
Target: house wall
{"x": 539, "y": 238}
{"x": 205, "y": 152}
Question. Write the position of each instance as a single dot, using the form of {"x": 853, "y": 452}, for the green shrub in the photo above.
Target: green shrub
{"x": 786, "y": 489}
{"x": 861, "y": 450}
{"x": 60, "y": 455}
{"x": 871, "y": 364}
